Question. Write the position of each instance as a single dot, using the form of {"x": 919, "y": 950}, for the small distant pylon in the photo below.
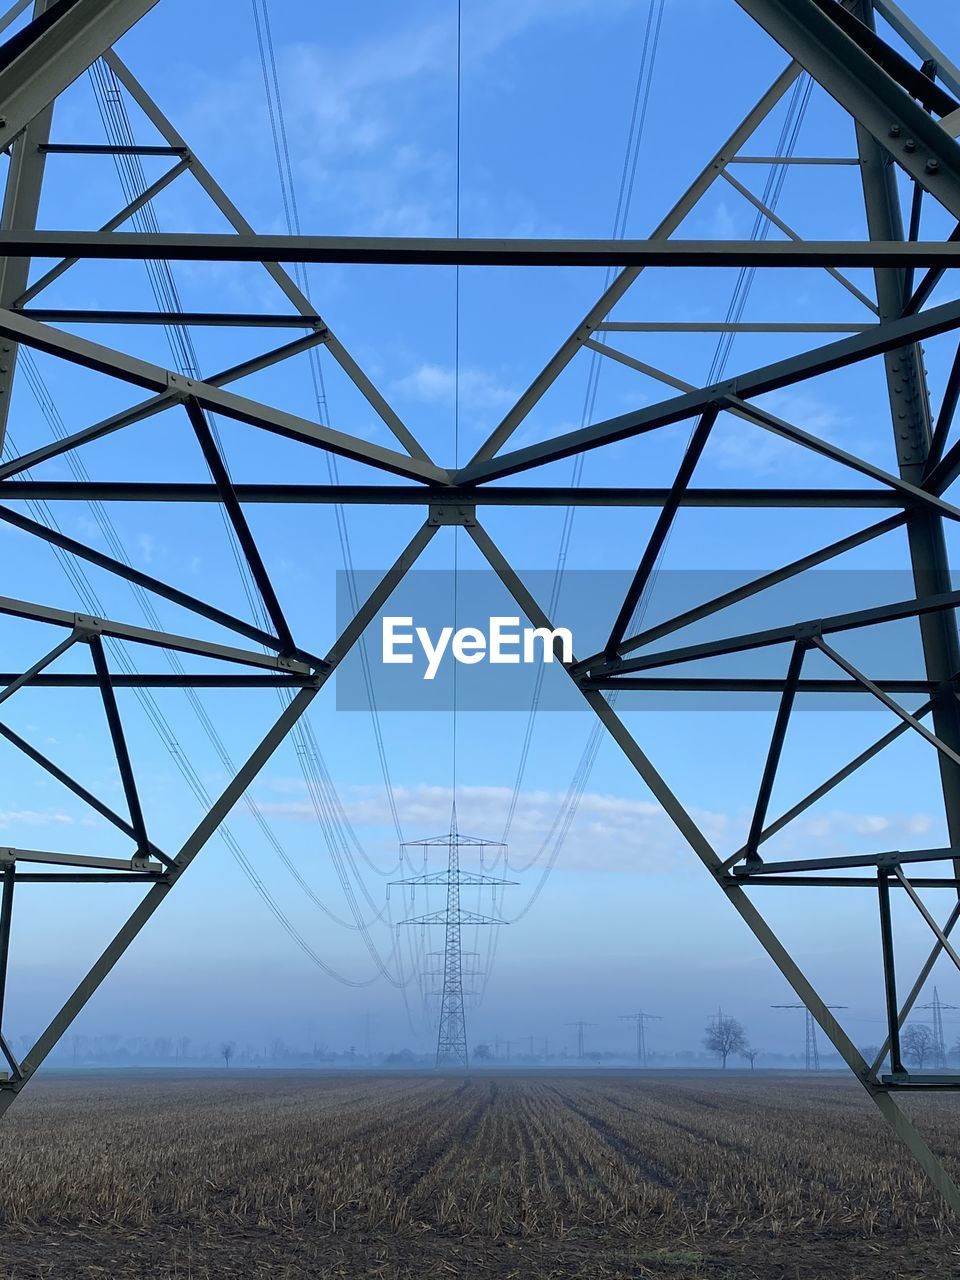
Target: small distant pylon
{"x": 580, "y": 1024}
{"x": 452, "y": 1029}
{"x": 812, "y": 1049}
{"x": 936, "y": 1007}
{"x": 641, "y": 1019}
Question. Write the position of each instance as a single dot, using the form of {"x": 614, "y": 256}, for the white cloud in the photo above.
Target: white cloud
{"x": 351, "y": 111}
{"x": 437, "y": 384}
{"x": 33, "y": 818}
{"x": 610, "y": 833}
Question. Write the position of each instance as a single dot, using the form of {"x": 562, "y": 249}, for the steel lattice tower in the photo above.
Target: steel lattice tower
{"x": 898, "y": 98}
{"x": 580, "y": 1024}
{"x": 452, "y": 1028}
{"x": 811, "y": 1048}
{"x": 641, "y": 1019}
{"x": 936, "y": 1008}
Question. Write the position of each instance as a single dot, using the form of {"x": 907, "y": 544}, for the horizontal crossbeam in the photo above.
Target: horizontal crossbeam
{"x": 79, "y": 860}
{"x": 419, "y": 495}
{"x": 469, "y": 252}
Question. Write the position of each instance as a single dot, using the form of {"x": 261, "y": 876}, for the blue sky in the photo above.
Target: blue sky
{"x": 627, "y": 916}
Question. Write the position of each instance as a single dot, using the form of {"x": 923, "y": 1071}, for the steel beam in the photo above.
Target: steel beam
{"x": 238, "y": 521}
{"x": 141, "y": 373}
{"x": 744, "y": 684}
{"x": 9, "y": 688}
{"x": 425, "y": 496}
{"x": 920, "y": 43}
{"x": 893, "y": 706}
{"x": 21, "y": 205}
{"x": 856, "y": 80}
{"x": 157, "y": 639}
{"x": 171, "y": 680}
{"x": 661, "y": 529}
{"x": 888, "y": 861}
{"x": 6, "y": 922}
{"x": 763, "y": 583}
{"x": 120, "y": 750}
{"x": 887, "y": 336}
{"x": 128, "y": 210}
{"x": 833, "y": 781}
{"x": 889, "y": 974}
{"x": 49, "y": 857}
{"x": 47, "y": 55}
{"x": 144, "y": 246}
{"x": 787, "y": 699}
{"x": 65, "y": 779}
{"x": 144, "y": 580}
{"x": 805, "y": 629}
{"x": 775, "y": 220}
{"x": 154, "y": 405}
{"x": 912, "y": 425}
{"x": 209, "y": 319}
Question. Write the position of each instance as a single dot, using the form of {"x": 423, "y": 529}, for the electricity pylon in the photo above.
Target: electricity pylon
{"x": 580, "y": 1024}
{"x": 641, "y": 1019}
{"x": 812, "y": 1049}
{"x": 899, "y": 122}
{"x": 452, "y": 1029}
{"x": 936, "y": 1006}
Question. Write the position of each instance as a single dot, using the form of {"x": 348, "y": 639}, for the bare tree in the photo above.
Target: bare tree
{"x": 751, "y": 1054}
{"x": 226, "y": 1050}
{"x": 723, "y": 1036}
{"x": 917, "y": 1043}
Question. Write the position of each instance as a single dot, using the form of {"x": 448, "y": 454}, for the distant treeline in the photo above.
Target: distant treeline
{"x": 167, "y": 1051}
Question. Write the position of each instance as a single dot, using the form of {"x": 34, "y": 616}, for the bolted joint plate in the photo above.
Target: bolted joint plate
{"x": 462, "y": 513}
{"x": 905, "y": 374}
{"x": 178, "y": 384}
{"x": 807, "y": 632}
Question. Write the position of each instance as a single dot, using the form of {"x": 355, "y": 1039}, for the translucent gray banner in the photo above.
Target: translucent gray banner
{"x": 439, "y": 637}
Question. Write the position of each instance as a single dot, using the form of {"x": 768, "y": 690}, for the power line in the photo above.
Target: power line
{"x": 567, "y": 810}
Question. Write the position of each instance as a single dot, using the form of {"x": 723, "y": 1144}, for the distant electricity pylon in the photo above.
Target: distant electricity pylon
{"x": 452, "y": 1030}
{"x": 936, "y": 1006}
{"x": 641, "y": 1019}
{"x": 812, "y": 1049}
{"x": 580, "y": 1024}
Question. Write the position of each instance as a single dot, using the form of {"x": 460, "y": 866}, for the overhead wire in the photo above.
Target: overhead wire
{"x": 119, "y": 130}
{"x": 282, "y": 155}
{"x": 786, "y": 145}
{"x": 291, "y": 209}
{"x": 552, "y": 844}
{"x": 635, "y": 133}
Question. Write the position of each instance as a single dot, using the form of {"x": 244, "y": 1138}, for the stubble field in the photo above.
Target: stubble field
{"x": 497, "y": 1175}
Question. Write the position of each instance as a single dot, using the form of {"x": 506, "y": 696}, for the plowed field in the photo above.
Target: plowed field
{"x": 499, "y": 1175}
